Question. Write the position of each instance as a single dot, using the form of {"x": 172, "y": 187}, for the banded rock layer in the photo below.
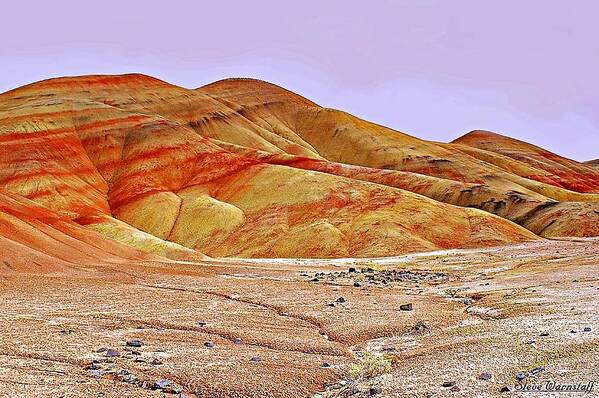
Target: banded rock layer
{"x": 245, "y": 168}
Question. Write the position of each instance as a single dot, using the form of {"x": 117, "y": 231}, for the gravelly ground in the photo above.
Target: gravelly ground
{"x": 472, "y": 311}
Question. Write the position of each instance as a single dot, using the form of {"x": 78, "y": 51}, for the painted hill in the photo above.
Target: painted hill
{"x": 592, "y": 163}
{"x": 245, "y": 168}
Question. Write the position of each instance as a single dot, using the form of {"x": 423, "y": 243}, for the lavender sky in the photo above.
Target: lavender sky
{"x": 435, "y": 69}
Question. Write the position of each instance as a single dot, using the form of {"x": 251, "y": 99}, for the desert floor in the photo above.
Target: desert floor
{"x": 304, "y": 328}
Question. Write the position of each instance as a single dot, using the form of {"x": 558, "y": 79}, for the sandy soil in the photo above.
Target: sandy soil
{"x": 310, "y": 326}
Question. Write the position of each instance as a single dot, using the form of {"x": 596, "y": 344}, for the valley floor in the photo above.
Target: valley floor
{"x": 293, "y": 328}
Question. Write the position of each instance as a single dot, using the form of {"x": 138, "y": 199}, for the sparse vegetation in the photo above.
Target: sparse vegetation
{"x": 371, "y": 365}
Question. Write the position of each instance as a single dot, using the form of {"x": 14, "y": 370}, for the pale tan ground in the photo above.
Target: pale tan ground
{"x": 52, "y": 325}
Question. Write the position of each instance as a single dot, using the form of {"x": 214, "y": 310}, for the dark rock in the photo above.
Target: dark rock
{"x": 331, "y": 304}
{"x": 314, "y": 280}
{"x": 468, "y": 301}
{"x": 237, "y": 341}
{"x": 537, "y": 370}
{"x": 406, "y": 307}
{"x": 505, "y": 389}
{"x": 102, "y": 349}
{"x": 156, "y": 361}
{"x": 351, "y": 269}
{"x": 162, "y": 384}
{"x": 448, "y": 384}
{"x": 134, "y": 343}
{"x": 544, "y": 334}
{"x": 201, "y": 323}
{"x": 375, "y": 390}
{"x": 454, "y": 389}
{"x": 586, "y": 329}
{"x": 209, "y": 344}
{"x": 340, "y": 300}
{"x": 255, "y": 359}
{"x": 520, "y": 376}
{"x": 485, "y": 376}
{"x": 357, "y": 284}
{"x": 110, "y": 353}
{"x": 573, "y": 331}
{"x": 326, "y": 365}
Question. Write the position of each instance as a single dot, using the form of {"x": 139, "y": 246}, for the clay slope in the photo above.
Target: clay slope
{"x": 246, "y": 168}
{"x": 592, "y": 163}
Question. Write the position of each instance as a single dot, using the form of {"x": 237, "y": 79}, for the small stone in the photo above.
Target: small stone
{"x": 110, "y": 353}
{"x": 572, "y": 331}
{"x": 134, "y": 343}
{"x": 406, "y": 307}
{"x": 544, "y": 334}
{"x": 351, "y": 269}
{"x": 340, "y": 300}
{"x": 156, "y": 361}
{"x": 530, "y": 342}
{"x": 314, "y": 280}
{"x": 209, "y": 344}
{"x": 448, "y": 384}
{"x": 326, "y": 365}
{"x": 454, "y": 389}
{"x": 357, "y": 284}
{"x": 162, "y": 384}
{"x": 237, "y": 341}
{"x": 94, "y": 366}
{"x": 255, "y": 359}
{"x": 468, "y": 301}
{"x": 331, "y": 304}
{"x": 375, "y": 390}
{"x": 485, "y": 376}
{"x": 505, "y": 389}
{"x": 201, "y": 323}
{"x": 102, "y": 349}
{"x": 586, "y": 329}
{"x": 520, "y": 376}
{"x": 537, "y": 370}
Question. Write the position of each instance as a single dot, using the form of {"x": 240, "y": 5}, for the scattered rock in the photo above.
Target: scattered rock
{"x": 544, "y": 334}
{"x": 209, "y": 344}
{"x": 537, "y": 370}
{"x": 340, "y": 300}
{"x": 454, "y": 389}
{"x": 326, "y": 365}
{"x": 357, "y": 284}
{"x": 156, "y": 361}
{"x": 586, "y": 329}
{"x": 520, "y": 376}
{"x": 448, "y": 384}
{"x": 351, "y": 269}
{"x": 573, "y": 331}
{"x": 237, "y": 340}
{"x": 102, "y": 349}
{"x": 111, "y": 353}
{"x": 530, "y": 342}
{"x": 201, "y": 323}
{"x": 134, "y": 343}
{"x": 406, "y": 307}
{"x": 468, "y": 301}
{"x": 255, "y": 359}
{"x": 485, "y": 376}
{"x": 162, "y": 384}
{"x": 505, "y": 389}
{"x": 375, "y": 390}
